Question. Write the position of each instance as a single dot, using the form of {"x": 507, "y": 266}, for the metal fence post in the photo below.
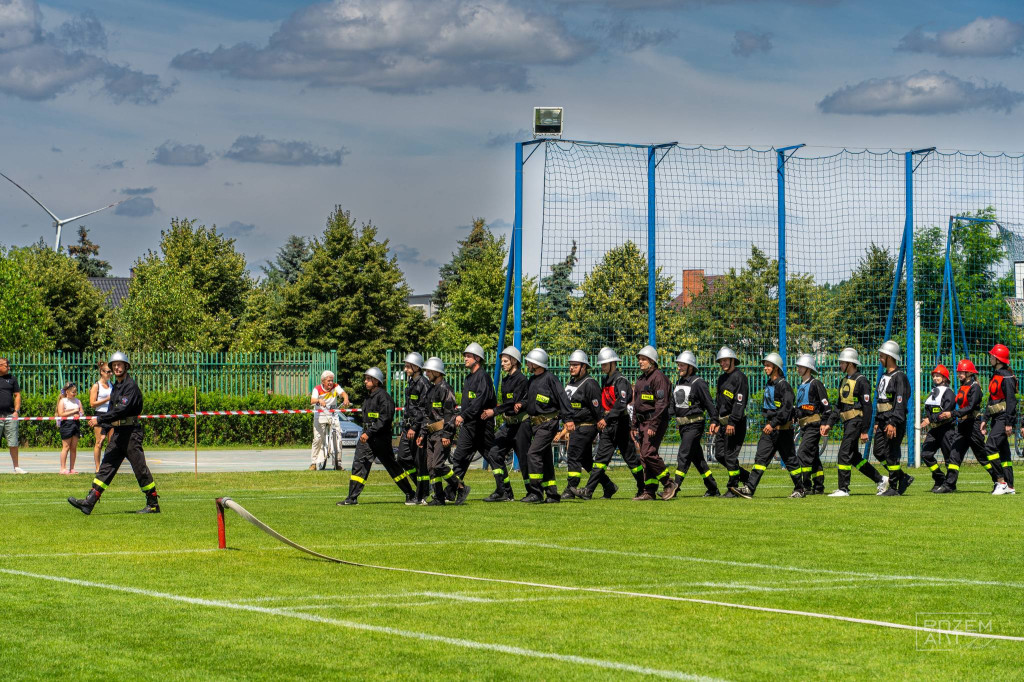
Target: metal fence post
{"x": 780, "y": 177}
{"x": 651, "y": 250}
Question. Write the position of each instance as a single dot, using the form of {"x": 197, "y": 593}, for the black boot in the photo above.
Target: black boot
{"x": 354, "y": 488}
{"x": 439, "y": 498}
{"x": 552, "y": 494}
{"x": 410, "y": 495}
{"x": 609, "y": 487}
{"x": 641, "y": 482}
{"x": 423, "y": 490}
{"x": 152, "y": 503}
{"x": 86, "y": 505}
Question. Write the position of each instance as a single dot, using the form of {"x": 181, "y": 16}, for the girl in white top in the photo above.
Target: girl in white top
{"x": 69, "y": 409}
{"x": 99, "y": 400}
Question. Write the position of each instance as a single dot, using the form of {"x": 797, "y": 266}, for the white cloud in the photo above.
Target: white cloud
{"x": 924, "y": 93}
{"x": 171, "y": 153}
{"x": 136, "y": 207}
{"x": 746, "y": 43}
{"x": 401, "y": 46}
{"x": 983, "y": 37}
{"x": 38, "y": 66}
{"x": 258, "y": 149}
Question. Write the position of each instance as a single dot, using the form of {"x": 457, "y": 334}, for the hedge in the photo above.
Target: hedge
{"x": 259, "y": 431}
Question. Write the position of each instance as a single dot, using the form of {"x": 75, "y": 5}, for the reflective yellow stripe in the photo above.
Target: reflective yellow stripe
{"x": 662, "y": 475}
{"x": 820, "y": 474}
{"x": 357, "y": 479}
{"x": 954, "y": 467}
{"x": 992, "y": 457}
{"x": 100, "y": 483}
{"x": 149, "y": 487}
{"x": 536, "y": 477}
{"x": 598, "y": 465}
{"x": 734, "y": 473}
{"x": 637, "y": 470}
{"x": 423, "y": 478}
{"x": 651, "y": 481}
{"x": 398, "y": 478}
{"x": 549, "y": 483}
{"x": 988, "y": 466}
{"x": 845, "y": 467}
{"x": 373, "y": 415}
{"x": 893, "y": 468}
{"x": 448, "y": 475}
{"x": 1007, "y": 464}
{"x": 499, "y": 472}
{"x": 574, "y": 474}
{"x": 933, "y": 467}
{"x": 680, "y": 473}
{"x": 436, "y": 480}
{"x": 707, "y": 473}
{"x": 760, "y": 467}
{"x": 861, "y": 463}
{"x": 410, "y": 472}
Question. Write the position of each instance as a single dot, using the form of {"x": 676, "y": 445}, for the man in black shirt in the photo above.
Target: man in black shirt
{"x": 691, "y": 400}
{"x": 476, "y": 433}
{"x": 513, "y": 390}
{"x": 375, "y": 441}
{"x": 584, "y": 394}
{"x": 545, "y": 403}
{"x": 125, "y": 441}
{"x": 854, "y": 411}
{"x": 777, "y": 434}
{"x": 437, "y": 429}
{"x": 10, "y": 407}
{"x": 411, "y": 457}
{"x": 729, "y": 427}
{"x": 892, "y": 398}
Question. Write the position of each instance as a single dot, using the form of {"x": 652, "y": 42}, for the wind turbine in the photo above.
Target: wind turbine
{"x": 57, "y": 222}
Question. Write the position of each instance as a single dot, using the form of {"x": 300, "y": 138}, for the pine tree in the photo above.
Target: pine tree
{"x": 471, "y": 250}
{"x": 287, "y": 266}
{"x": 86, "y": 254}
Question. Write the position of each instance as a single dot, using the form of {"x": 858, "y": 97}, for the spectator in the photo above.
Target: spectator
{"x": 69, "y": 409}
{"x": 325, "y": 425}
{"x": 10, "y": 406}
{"x": 99, "y": 401}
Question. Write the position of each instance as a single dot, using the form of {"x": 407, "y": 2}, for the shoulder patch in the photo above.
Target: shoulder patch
{"x": 824, "y": 401}
{"x": 739, "y": 397}
{"x": 659, "y": 394}
{"x": 899, "y": 399}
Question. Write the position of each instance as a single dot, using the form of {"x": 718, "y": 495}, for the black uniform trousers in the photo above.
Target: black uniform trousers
{"x": 499, "y": 457}
{"x": 475, "y": 435}
{"x": 727, "y": 452}
{"x": 997, "y": 447}
{"x": 654, "y": 468}
{"x": 887, "y": 451}
{"x": 967, "y": 435}
{"x": 616, "y": 435}
{"x": 377, "y": 446}
{"x": 538, "y": 469}
{"x": 413, "y": 460}
{"x": 780, "y": 441}
{"x": 937, "y": 438}
{"x": 692, "y": 453}
{"x": 808, "y": 457}
{"x": 580, "y": 453}
{"x": 125, "y": 443}
{"x": 850, "y": 458}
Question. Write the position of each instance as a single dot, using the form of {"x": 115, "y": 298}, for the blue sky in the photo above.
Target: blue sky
{"x": 260, "y": 116}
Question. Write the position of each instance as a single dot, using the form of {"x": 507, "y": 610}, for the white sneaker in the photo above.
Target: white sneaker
{"x": 839, "y": 493}
{"x": 19, "y": 470}
{"x": 1009, "y": 490}
{"x": 1001, "y": 489}
{"x": 883, "y": 486}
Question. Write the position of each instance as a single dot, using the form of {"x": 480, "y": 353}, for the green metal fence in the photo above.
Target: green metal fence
{"x": 286, "y": 373}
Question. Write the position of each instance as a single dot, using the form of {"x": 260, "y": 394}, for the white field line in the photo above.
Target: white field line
{"x": 745, "y": 564}
{"x": 366, "y": 627}
{"x": 433, "y": 602}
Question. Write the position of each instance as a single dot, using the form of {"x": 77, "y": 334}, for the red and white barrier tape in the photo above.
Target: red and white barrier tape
{"x": 201, "y": 413}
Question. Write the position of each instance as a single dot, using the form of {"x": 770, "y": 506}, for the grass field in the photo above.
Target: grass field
{"x": 120, "y": 596}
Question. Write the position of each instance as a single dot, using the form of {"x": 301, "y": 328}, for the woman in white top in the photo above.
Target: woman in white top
{"x": 325, "y": 426}
{"x": 99, "y": 401}
{"x": 69, "y": 409}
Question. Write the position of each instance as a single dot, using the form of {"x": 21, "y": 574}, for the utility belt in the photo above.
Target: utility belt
{"x": 884, "y": 407}
{"x": 580, "y": 425}
{"x": 723, "y": 421}
{"x": 683, "y": 421}
{"x": 515, "y": 418}
{"x": 541, "y": 418}
{"x": 784, "y": 427}
{"x": 850, "y": 414}
{"x": 806, "y": 421}
{"x": 973, "y": 414}
{"x": 127, "y": 421}
{"x": 434, "y": 427}
{"x": 996, "y": 408}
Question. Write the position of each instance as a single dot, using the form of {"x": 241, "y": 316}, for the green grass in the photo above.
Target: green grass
{"x": 911, "y": 555}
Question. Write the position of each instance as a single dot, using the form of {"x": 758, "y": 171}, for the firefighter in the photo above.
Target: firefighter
{"x": 691, "y": 400}
{"x": 545, "y": 403}
{"x": 938, "y": 424}
{"x": 513, "y": 390}
{"x": 729, "y": 427}
{"x": 584, "y": 395}
{"x": 476, "y": 433}
{"x": 853, "y": 411}
{"x": 777, "y": 434}
{"x": 812, "y": 414}
{"x": 411, "y": 457}
{"x": 651, "y": 397}
{"x": 437, "y": 429}
{"x": 616, "y": 396}
{"x": 375, "y": 442}
{"x": 967, "y": 433}
{"x": 125, "y": 441}
{"x": 1000, "y": 415}
{"x": 892, "y": 399}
